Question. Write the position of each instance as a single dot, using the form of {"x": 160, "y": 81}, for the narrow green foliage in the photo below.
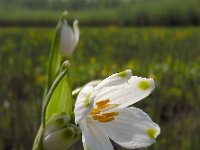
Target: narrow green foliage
{"x": 55, "y": 57}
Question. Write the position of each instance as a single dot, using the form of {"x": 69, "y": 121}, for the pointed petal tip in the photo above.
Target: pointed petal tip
{"x": 76, "y": 31}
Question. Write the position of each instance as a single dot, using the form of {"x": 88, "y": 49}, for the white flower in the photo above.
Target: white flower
{"x": 69, "y": 38}
{"x": 102, "y": 112}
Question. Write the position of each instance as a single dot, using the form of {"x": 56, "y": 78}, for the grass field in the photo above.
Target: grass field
{"x": 152, "y": 12}
{"x": 170, "y": 55}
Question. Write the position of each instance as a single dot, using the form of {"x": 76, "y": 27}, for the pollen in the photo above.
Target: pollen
{"x": 106, "y": 119}
{"x": 109, "y": 107}
{"x": 101, "y": 103}
{"x": 95, "y": 111}
{"x": 98, "y": 113}
{"x": 111, "y": 114}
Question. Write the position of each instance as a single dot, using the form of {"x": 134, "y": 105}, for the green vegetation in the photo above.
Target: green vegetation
{"x": 151, "y": 12}
{"x": 170, "y": 55}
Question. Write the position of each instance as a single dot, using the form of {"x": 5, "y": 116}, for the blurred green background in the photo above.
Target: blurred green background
{"x": 159, "y": 39}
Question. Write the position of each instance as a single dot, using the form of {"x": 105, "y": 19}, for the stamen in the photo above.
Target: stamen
{"x": 95, "y": 111}
{"x": 96, "y": 117}
{"x": 110, "y": 106}
{"x": 103, "y": 106}
{"x": 99, "y": 113}
{"x": 107, "y": 119}
{"x": 102, "y": 118}
{"x": 102, "y": 103}
{"x": 111, "y": 114}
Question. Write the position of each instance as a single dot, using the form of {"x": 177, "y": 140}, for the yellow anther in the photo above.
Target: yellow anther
{"x": 107, "y": 119}
{"x": 103, "y": 106}
{"x": 111, "y": 114}
{"x": 96, "y": 117}
{"x": 109, "y": 106}
{"x": 95, "y": 111}
{"x": 102, "y": 103}
{"x": 99, "y": 113}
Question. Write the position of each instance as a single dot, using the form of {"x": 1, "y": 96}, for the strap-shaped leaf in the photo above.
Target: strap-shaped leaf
{"x": 55, "y": 58}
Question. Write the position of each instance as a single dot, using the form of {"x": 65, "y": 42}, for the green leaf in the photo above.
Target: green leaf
{"x": 55, "y": 58}
{"x": 61, "y": 100}
{"x": 38, "y": 139}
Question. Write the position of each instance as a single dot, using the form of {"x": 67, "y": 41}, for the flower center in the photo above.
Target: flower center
{"x": 98, "y": 113}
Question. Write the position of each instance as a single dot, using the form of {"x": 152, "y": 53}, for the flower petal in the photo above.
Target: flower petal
{"x": 128, "y": 93}
{"x": 84, "y": 103}
{"x": 76, "y": 31}
{"x": 94, "y": 83}
{"x": 93, "y": 138}
{"x": 115, "y": 79}
{"x": 131, "y": 129}
{"x": 67, "y": 41}
{"x": 91, "y": 83}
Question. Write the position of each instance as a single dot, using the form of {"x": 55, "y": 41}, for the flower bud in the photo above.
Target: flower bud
{"x": 69, "y": 37}
{"x": 60, "y": 134}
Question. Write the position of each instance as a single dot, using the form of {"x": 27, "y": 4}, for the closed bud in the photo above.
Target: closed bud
{"x": 69, "y": 37}
{"x": 60, "y": 133}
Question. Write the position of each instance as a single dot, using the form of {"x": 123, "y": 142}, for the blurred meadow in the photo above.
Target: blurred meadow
{"x": 158, "y": 39}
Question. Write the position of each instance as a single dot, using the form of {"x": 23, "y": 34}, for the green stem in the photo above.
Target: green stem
{"x": 61, "y": 74}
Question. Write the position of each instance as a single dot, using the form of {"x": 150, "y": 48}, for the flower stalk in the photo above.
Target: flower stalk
{"x": 61, "y": 74}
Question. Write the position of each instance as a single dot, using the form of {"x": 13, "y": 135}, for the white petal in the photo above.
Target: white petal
{"x": 93, "y": 138}
{"x": 76, "y": 91}
{"x": 91, "y": 83}
{"x": 76, "y": 31}
{"x": 94, "y": 83}
{"x": 84, "y": 103}
{"x": 67, "y": 41}
{"x": 115, "y": 79}
{"x": 131, "y": 129}
{"x": 128, "y": 93}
